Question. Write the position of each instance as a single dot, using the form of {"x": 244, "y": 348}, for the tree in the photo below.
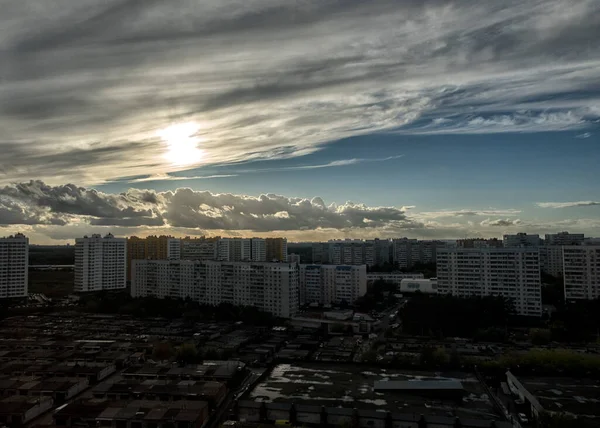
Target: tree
{"x": 187, "y": 354}
{"x": 540, "y": 336}
{"x": 369, "y": 356}
{"x": 433, "y": 357}
{"x": 162, "y": 351}
{"x": 562, "y": 420}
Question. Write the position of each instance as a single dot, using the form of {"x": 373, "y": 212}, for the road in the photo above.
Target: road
{"x": 222, "y": 413}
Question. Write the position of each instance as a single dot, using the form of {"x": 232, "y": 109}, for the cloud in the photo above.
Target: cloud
{"x": 186, "y": 208}
{"x": 567, "y": 204}
{"x": 85, "y": 91}
{"x": 584, "y": 135}
{"x": 501, "y": 222}
{"x": 529, "y": 121}
{"x": 167, "y": 177}
{"x": 468, "y": 213}
{"x": 332, "y": 164}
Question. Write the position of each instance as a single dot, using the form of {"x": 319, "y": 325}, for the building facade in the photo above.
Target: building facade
{"x": 151, "y": 247}
{"x": 100, "y": 263}
{"x": 276, "y": 249}
{"x": 408, "y": 252}
{"x": 426, "y": 286}
{"x": 14, "y": 266}
{"x": 564, "y": 238}
{"x": 271, "y": 287}
{"x": 521, "y": 240}
{"x": 509, "y": 272}
{"x": 551, "y": 260}
{"x": 199, "y": 248}
{"x": 320, "y": 253}
{"x": 294, "y": 258}
{"x": 581, "y": 265}
{"x": 479, "y": 243}
{"x": 327, "y": 284}
{"x": 174, "y": 249}
{"x": 242, "y": 250}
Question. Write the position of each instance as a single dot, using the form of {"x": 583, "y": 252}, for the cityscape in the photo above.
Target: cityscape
{"x": 299, "y": 213}
{"x": 246, "y": 329}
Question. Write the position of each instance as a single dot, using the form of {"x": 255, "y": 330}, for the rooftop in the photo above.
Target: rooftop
{"x": 350, "y": 385}
{"x": 577, "y": 396}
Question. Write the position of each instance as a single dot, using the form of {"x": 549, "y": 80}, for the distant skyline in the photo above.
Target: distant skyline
{"x": 310, "y": 119}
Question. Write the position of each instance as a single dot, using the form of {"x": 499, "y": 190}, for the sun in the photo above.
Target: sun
{"x": 181, "y": 143}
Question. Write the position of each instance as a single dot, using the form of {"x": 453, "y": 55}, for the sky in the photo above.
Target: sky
{"x": 311, "y": 119}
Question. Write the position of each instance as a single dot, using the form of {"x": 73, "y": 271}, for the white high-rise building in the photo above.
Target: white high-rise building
{"x": 201, "y": 249}
{"x": 521, "y": 240}
{"x": 510, "y": 272}
{"x": 173, "y": 249}
{"x": 100, "y": 263}
{"x": 259, "y": 250}
{"x": 551, "y": 259}
{"x": 14, "y": 266}
{"x": 326, "y": 284}
{"x": 271, "y": 287}
{"x": 242, "y": 249}
{"x": 581, "y": 266}
{"x": 402, "y": 250}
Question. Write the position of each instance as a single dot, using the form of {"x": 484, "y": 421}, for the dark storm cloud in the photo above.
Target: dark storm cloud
{"x": 71, "y": 199}
{"x": 187, "y": 208}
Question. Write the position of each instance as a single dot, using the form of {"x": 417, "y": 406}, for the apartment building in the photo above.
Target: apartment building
{"x": 199, "y": 248}
{"x": 382, "y": 249}
{"x": 151, "y": 247}
{"x": 402, "y": 250}
{"x": 392, "y": 277}
{"x": 479, "y": 243}
{"x": 326, "y": 284}
{"x": 258, "y": 250}
{"x": 14, "y": 266}
{"x": 564, "y": 238}
{"x": 294, "y": 258}
{"x": 320, "y": 252}
{"x": 408, "y": 252}
{"x": 521, "y": 240}
{"x": 271, "y": 287}
{"x": 174, "y": 249}
{"x": 276, "y": 249}
{"x": 510, "y": 272}
{"x": 100, "y": 263}
{"x": 581, "y": 265}
{"x": 242, "y": 249}
{"x": 551, "y": 260}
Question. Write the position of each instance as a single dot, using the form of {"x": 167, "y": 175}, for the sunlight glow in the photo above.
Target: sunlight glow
{"x": 182, "y": 143}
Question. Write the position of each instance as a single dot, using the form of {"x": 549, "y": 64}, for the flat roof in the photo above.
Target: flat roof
{"x": 428, "y": 385}
{"x": 348, "y": 385}
{"x": 578, "y": 396}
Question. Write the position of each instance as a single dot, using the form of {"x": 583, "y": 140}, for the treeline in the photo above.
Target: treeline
{"x": 379, "y": 296}
{"x": 41, "y": 255}
{"x": 449, "y": 316}
{"x": 546, "y": 362}
{"x": 576, "y": 322}
{"x": 429, "y": 270}
{"x": 124, "y": 304}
